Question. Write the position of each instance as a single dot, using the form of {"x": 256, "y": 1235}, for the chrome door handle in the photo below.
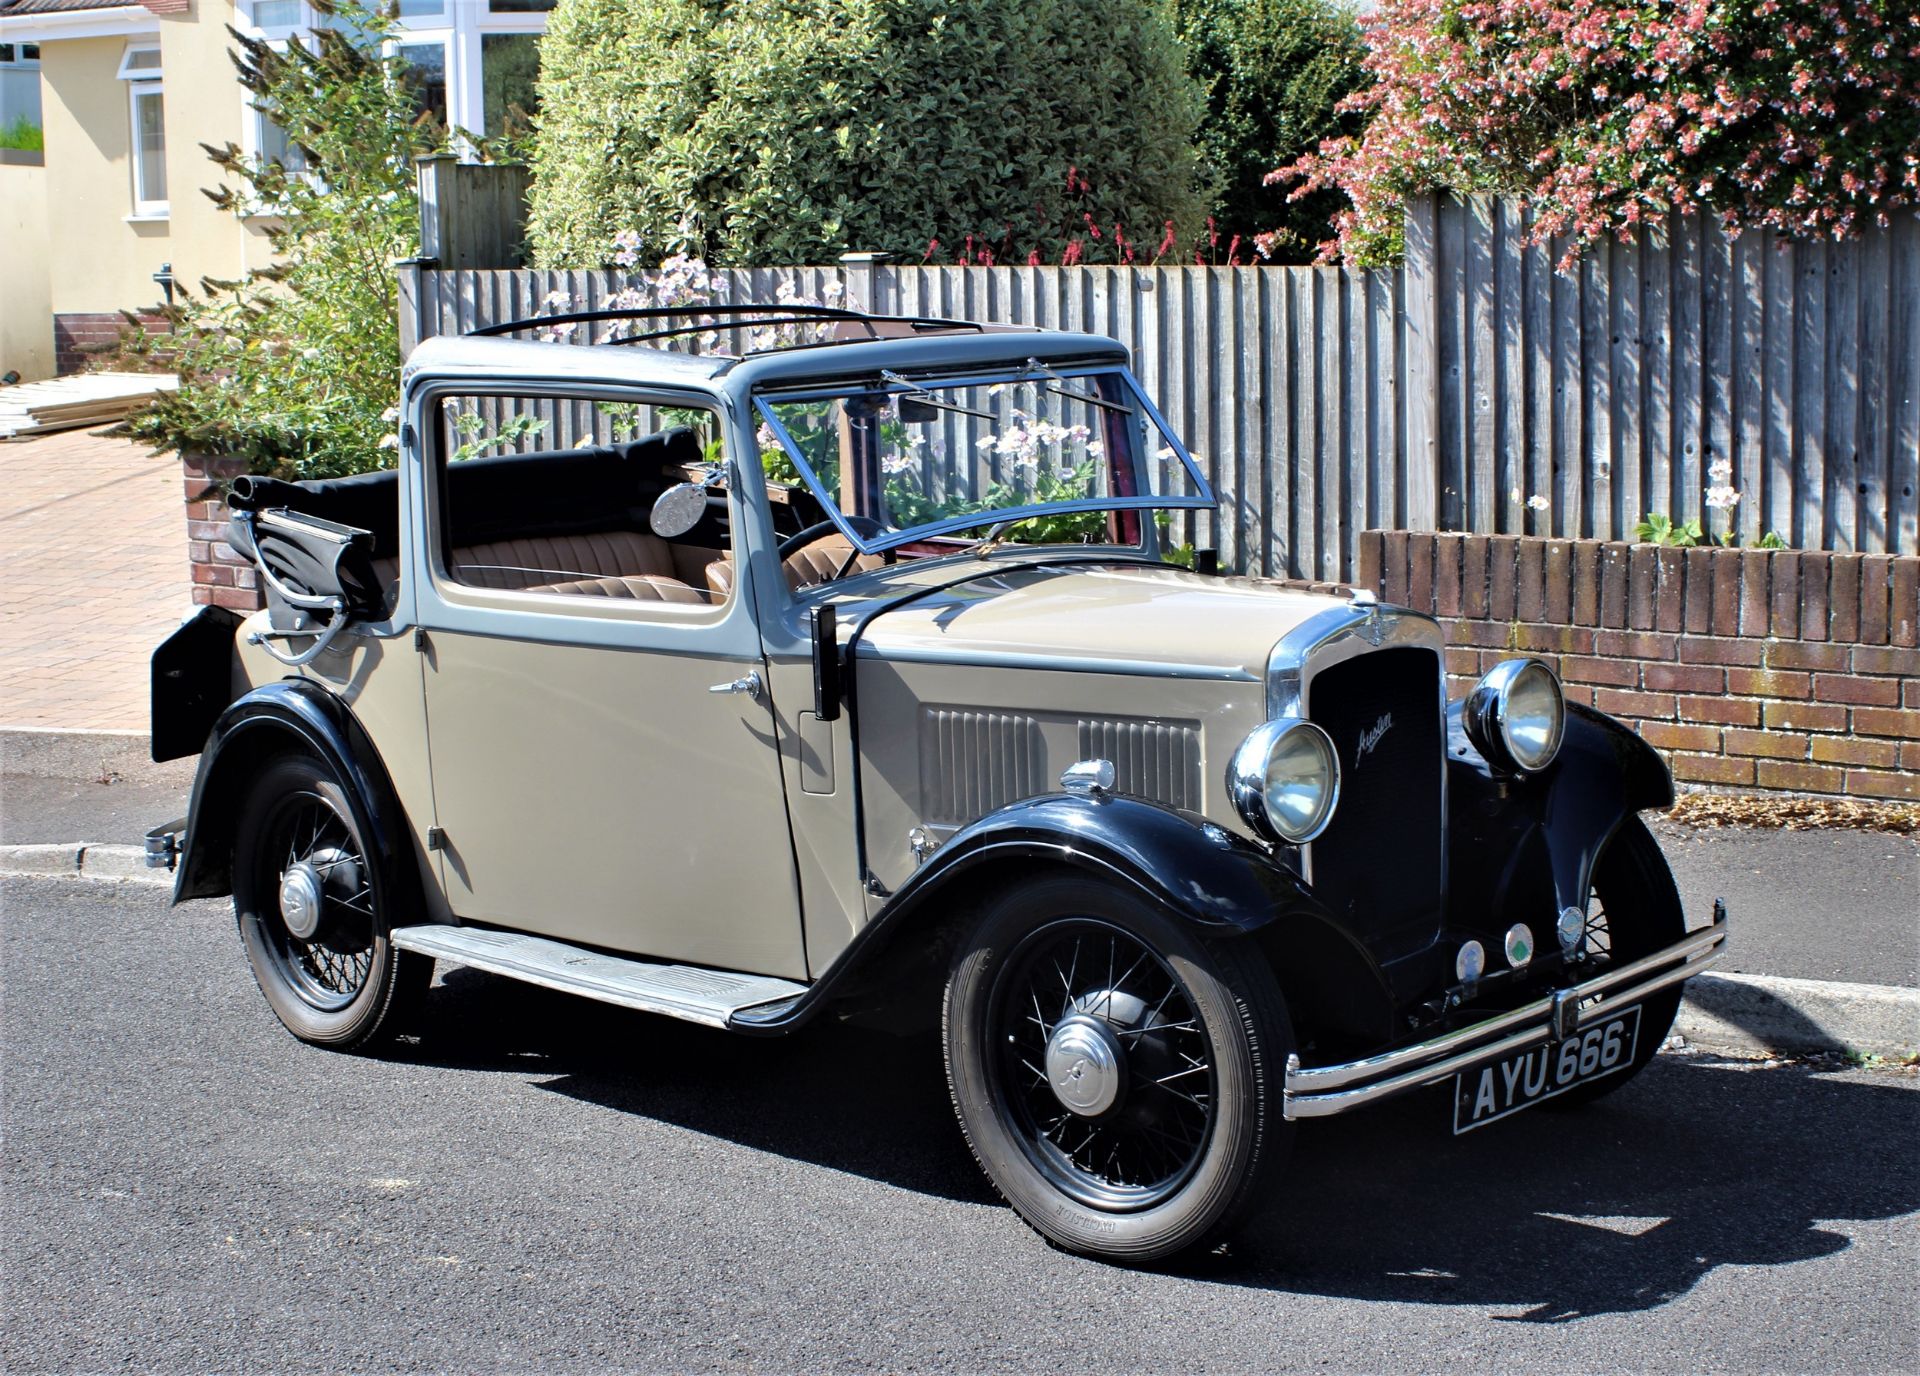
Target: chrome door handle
{"x": 747, "y": 683}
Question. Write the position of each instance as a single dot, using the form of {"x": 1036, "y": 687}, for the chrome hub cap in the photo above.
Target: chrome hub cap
{"x": 300, "y": 894}
{"x": 1085, "y": 1065}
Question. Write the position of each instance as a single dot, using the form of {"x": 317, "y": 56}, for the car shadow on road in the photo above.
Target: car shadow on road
{"x": 851, "y": 1099}
{"x": 1616, "y": 1208}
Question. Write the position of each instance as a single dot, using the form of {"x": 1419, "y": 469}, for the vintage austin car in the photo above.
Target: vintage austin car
{"x": 794, "y": 662}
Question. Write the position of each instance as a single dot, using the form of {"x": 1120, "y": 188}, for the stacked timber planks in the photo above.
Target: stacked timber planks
{"x": 65, "y": 403}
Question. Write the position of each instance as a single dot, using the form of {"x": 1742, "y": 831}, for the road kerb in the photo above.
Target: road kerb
{"x": 1754, "y": 1015}
{"x": 66, "y": 860}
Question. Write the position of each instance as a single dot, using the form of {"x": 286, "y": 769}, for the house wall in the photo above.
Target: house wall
{"x": 204, "y": 105}
{"x": 26, "y": 338}
{"x": 99, "y": 260}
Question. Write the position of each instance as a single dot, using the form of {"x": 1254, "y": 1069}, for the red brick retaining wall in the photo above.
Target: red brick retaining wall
{"x": 221, "y": 576}
{"x": 78, "y": 336}
{"x": 1796, "y": 670}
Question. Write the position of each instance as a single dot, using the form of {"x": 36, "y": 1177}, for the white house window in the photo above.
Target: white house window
{"x": 278, "y": 14}
{"x": 19, "y": 95}
{"x": 427, "y": 75}
{"x": 509, "y": 69}
{"x": 140, "y": 69}
{"x": 473, "y": 63}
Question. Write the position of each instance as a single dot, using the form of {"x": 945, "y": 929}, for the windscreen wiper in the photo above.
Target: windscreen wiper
{"x": 922, "y": 396}
{"x": 1059, "y": 387}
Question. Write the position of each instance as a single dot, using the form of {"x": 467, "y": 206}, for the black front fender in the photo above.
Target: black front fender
{"x": 1191, "y": 869}
{"x": 1518, "y": 845}
{"x": 291, "y": 715}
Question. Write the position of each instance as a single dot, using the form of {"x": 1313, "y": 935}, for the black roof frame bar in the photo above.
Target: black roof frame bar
{"x": 751, "y": 316}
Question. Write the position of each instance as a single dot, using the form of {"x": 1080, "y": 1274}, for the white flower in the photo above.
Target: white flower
{"x": 1720, "y": 472}
{"x": 557, "y": 301}
{"x": 1165, "y": 453}
{"x": 1096, "y": 449}
{"x": 390, "y": 415}
{"x": 1723, "y": 498}
{"x": 389, "y": 442}
{"x": 897, "y": 463}
{"x": 768, "y": 440}
{"x": 309, "y": 354}
{"x": 1538, "y": 503}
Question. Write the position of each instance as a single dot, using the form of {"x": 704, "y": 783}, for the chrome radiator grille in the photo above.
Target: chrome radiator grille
{"x": 1381, "y": 863}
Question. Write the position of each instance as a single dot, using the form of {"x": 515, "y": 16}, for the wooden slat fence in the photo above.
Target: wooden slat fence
{"x": 1474, "y": 388}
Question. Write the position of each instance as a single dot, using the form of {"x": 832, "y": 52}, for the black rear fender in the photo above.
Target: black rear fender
{"x": 290, "y": 716}
{"x": 193, "y": 679}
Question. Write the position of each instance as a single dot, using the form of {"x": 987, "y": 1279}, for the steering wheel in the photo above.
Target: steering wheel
{"x": 863, "y": 526}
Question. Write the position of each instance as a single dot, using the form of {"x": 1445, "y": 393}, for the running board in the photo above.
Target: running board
{"x": 708, "y": 997}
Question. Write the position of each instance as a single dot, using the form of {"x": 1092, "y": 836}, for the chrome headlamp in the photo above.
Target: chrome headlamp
{"x": 1285, "y": 780}
{"x": 1516, "y": 715}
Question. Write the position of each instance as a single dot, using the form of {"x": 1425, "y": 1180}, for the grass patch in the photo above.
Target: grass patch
{"x": 22, "y": 133}
{"x": 1794, "y": 814}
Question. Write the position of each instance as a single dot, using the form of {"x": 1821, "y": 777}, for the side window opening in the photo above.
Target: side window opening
{"x": 552, "y": 496}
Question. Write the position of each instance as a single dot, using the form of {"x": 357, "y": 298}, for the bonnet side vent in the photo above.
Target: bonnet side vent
{"x": 974, "y": 762}
{"x": 1151, "y": 759}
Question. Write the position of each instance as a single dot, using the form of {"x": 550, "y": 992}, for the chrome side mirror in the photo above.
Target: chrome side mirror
{"x": 678, "y": 510}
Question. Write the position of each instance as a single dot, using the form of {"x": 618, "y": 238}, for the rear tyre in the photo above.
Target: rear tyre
{"x": 315, "y": 913}
{"x": 1634, "y": 911}
{"x": 1117, "y": 1074}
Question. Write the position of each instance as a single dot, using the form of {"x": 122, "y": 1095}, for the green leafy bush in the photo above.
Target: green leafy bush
{"x": 1274, "y": 71}
{"x": 755, "y": 132}
{"x": 297, "y": 367}
{"x": 22, "y": 133}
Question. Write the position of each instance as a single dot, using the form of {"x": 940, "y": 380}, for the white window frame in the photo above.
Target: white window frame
{"x": 143, "y": 83}
{"x": 459, "y": 28}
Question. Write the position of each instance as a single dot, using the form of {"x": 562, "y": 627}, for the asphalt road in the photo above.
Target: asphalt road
{"x": 537, "y": 1183}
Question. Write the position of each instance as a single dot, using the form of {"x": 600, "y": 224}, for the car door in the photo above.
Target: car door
{"x": 588, "y": 783}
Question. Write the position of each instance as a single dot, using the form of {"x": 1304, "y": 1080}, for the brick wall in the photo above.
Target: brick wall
{"x": 1787, "y": 669}
{"x": 221, "y": 576}
{"x": 78, "y": 336}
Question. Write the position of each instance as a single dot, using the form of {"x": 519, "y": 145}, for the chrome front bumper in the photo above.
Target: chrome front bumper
{"x": 1324, "y": 1090}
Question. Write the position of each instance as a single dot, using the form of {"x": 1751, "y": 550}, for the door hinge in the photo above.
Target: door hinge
{"x": 419, "y": 637}
{"x": 436, "y": 838}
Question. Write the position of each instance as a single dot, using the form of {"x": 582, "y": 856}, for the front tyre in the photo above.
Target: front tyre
{"x": 1117, "y": 1074}
{"x": 1634, "y": 911}
{"x": 314, "y": 912}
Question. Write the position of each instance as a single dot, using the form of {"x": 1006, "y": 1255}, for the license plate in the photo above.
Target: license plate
{"x": 1494, "y": 1090}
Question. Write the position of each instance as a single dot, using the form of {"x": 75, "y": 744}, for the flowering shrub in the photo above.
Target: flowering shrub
{"x": 796, "y": 130}
{"x": 1798, "y": 115}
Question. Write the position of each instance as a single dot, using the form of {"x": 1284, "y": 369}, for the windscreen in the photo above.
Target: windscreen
{"x": 1052, "y": 457}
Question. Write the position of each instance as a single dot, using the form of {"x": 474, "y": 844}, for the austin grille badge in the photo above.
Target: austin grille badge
{"x": 1371, "y": 737}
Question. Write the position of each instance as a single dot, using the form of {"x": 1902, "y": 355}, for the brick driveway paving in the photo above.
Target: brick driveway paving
{"x": 93, "y": 573}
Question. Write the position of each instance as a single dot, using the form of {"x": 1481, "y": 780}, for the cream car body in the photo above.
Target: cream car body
{"x": 856, "y": 768}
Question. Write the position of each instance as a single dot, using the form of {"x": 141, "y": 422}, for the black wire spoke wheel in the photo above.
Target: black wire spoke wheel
{"x": 324, "y": 938}
{"x": 1634, "y": 911}
{"x": 1105, "y": 1065}
{"x": 1117, "y": 1071}
{"x": 314, "y": 909}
